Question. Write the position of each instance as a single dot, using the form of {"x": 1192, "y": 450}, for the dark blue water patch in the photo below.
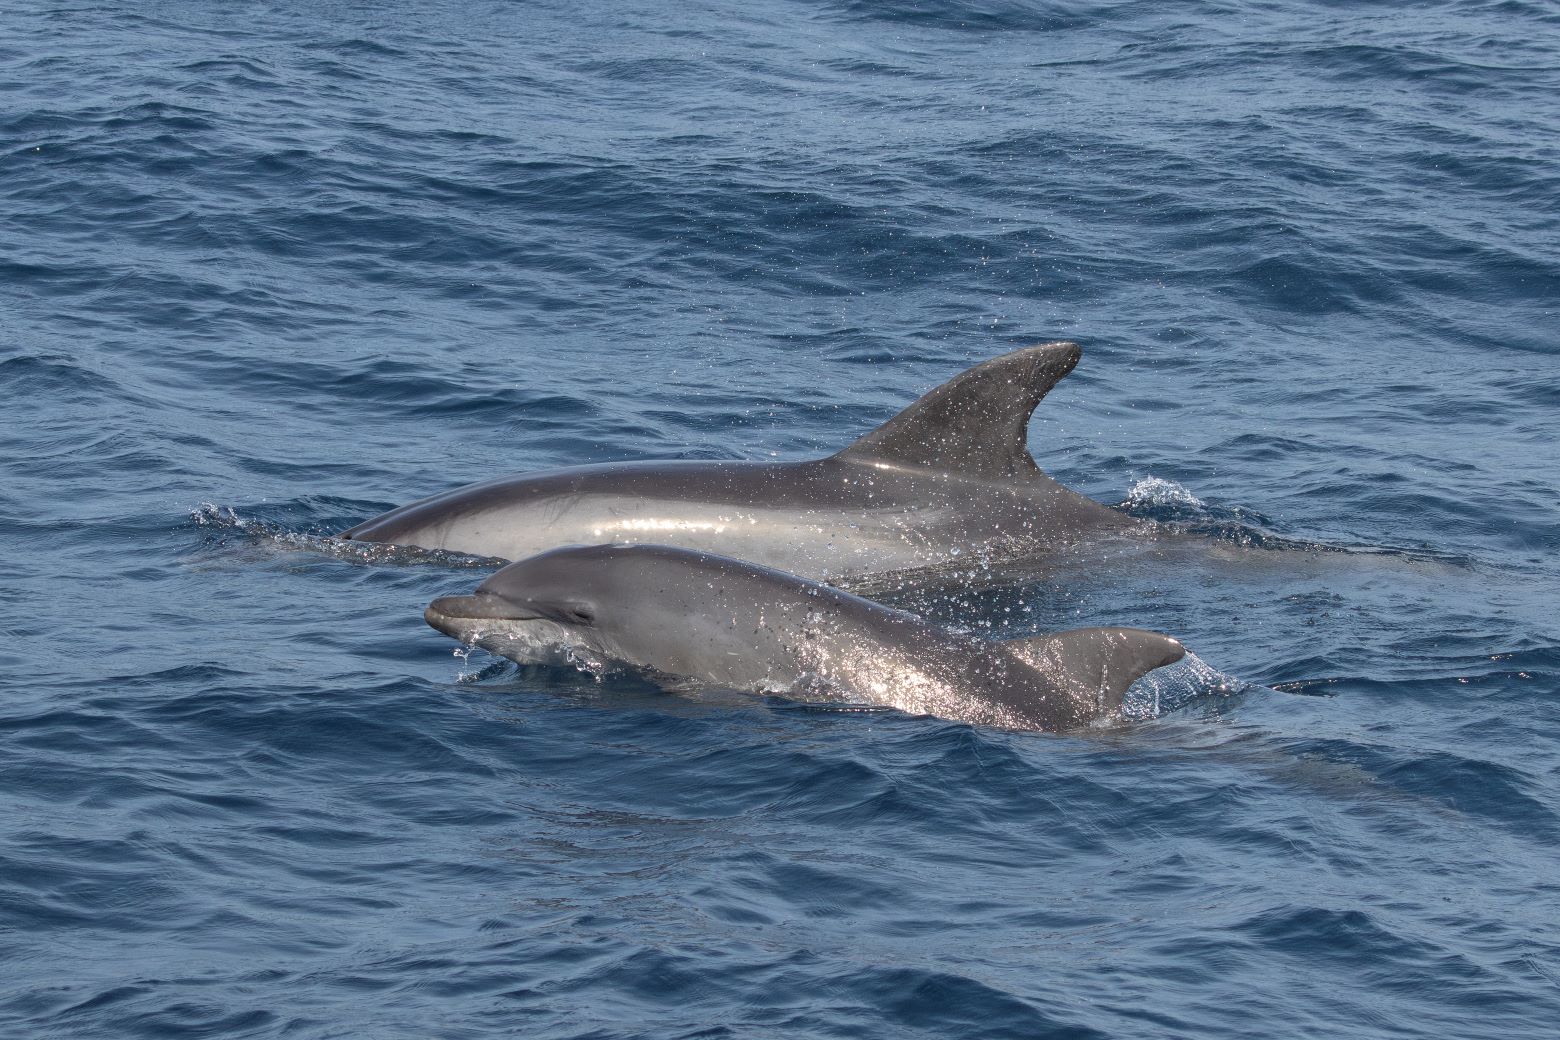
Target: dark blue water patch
{"x": 977, "y": 16}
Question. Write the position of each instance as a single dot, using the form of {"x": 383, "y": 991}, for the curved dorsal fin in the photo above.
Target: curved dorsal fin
{"x": 1096, "y": 665}
{"x": 975, "y": 423}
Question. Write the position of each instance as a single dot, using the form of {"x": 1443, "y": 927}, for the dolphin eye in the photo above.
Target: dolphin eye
{"x": 580, "y": 615}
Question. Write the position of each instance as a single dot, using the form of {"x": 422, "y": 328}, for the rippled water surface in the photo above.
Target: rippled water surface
{"x": 269, "y": 269}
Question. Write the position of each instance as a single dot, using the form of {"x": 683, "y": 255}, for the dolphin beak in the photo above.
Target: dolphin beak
{"x": 481, "y": 607}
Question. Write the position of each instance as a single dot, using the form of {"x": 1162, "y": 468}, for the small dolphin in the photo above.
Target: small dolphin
{"x": 694, "y": 615}
{"x": 949, "y": 478}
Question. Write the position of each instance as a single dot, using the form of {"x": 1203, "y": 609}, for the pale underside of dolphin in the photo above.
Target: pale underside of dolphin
{"x": 948, "y": 479}
{"x": 690, "y": 615}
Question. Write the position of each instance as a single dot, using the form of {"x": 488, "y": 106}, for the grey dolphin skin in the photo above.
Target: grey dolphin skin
{"x": 949, "y": 478}
{"x": 694, "y": 615}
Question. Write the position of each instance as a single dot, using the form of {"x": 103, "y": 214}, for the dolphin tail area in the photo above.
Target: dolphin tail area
{"x": 1097, "y": 665}
{"x": 977, "y": 423}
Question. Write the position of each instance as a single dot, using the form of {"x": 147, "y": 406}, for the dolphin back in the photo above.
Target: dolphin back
{"x": 1095, "y": 666}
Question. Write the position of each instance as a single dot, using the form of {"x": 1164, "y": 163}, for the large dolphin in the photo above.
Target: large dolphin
{"x": 949, "y": 478}
{"x": 694, "y": 615}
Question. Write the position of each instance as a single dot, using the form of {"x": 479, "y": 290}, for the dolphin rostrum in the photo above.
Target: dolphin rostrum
{"x": 949, "y": 478}
{"x": 693, "y": 615}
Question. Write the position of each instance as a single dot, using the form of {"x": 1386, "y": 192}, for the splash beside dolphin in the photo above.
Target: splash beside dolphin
{"x": 695, "y": 615}
{"x": 950, "y": 478}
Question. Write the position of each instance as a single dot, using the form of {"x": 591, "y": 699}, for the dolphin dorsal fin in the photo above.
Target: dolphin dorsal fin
{"x": 975, "y": 423}
{"x": 1096, "y": 665}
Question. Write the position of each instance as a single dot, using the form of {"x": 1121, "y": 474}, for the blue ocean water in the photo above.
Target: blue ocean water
{"x": 269, "y": 269}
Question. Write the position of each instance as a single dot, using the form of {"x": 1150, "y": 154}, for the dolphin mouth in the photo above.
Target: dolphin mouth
{"x": 481, "y": 607}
